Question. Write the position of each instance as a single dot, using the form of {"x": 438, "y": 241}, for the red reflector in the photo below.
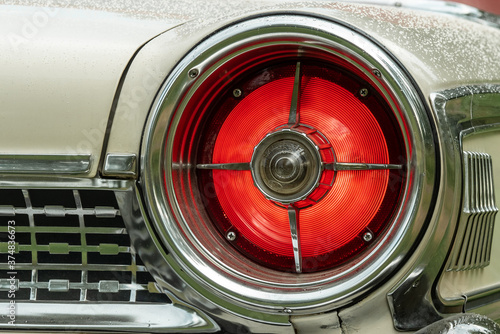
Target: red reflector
{"x": 347, "y": 210}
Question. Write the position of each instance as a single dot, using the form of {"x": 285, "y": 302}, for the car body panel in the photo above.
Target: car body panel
{"x": 85, "y": 54}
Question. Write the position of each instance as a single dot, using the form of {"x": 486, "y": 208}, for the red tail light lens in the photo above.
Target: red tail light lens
{"x": 298, "y": 151}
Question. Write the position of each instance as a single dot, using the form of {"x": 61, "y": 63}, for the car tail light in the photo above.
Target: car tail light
{"x": 298, "y": 150}
{"x": 285, "y": 166}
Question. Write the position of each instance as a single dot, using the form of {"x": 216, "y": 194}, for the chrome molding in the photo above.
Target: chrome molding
{"x": 58, "y": 182}
{"x": 45, "y": 164}
{"x": 473, "y": 243}
{"x": 258, "y": 293}
{"x": 120, "y": 165}
{"x": 150, "y": 318}
{"x": 458, "y": 112}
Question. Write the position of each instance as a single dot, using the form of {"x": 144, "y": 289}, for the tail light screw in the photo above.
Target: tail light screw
{"x": 377, "y": 73}
{"x": 237, "y": 92}
{"x": 193, "y": 73}
{"x": 363, "y": 92}
{"x": 368, "y": 237}
{"x": 231, "y": 236}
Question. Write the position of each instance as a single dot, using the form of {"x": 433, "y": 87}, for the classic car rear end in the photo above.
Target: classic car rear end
{"x": 266, "y": 167}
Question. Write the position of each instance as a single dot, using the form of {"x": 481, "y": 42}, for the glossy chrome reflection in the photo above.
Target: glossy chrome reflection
{"x": 45, "y": 164}
{"x": 120, "y": 164}
{"x": 337, "y": 166}
{"x": 139, "y": 317}
{"x": 226, "y": 166}
{"x": 293, "y": 118}
{"x": 475, "y": 230}
{"x": 286, "y": 166}
{"x": 293, "y": 217}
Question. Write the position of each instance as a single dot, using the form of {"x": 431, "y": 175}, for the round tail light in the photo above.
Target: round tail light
{"x": 298, "y": 150}
{"x": 284, "y": 166}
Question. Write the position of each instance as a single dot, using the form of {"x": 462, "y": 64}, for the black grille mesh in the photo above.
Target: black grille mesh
{"x": 70, "y": 245}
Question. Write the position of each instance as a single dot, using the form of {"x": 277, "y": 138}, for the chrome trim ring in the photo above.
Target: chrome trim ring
{"x": 202, "y": 258}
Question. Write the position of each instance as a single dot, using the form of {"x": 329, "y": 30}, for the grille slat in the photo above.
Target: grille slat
{"x": 473, "y": 244}
{"x": 73, "y": 249}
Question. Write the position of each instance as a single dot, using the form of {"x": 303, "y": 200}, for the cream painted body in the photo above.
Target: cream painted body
{"x": 60, "y": 71}
{"x": 57, "y": 88}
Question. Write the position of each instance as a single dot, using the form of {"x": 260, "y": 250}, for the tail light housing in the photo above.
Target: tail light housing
{"x": 284, "y": 165}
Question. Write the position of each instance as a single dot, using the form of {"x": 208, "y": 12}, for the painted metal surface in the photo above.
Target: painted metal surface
{"x": 61, "y": 68}
{"x": 69, "y": 113}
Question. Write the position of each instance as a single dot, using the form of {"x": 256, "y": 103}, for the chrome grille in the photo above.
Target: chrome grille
{"x": 475, "y": 232}
{"x": 71, "y": 245}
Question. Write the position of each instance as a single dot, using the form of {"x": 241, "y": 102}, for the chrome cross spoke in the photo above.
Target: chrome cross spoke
{"x": 293, "y": 217}
{"x": 293, "y": 117}
{"x": 226, "y": 166}
{"x": 339, "y": 166}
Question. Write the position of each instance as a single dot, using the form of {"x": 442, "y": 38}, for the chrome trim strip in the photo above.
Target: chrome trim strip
{"x": 151, "y": 318}
{"x": 38, "y": 182}
{"x": 228, "y": 166}
{"x": 294, "y": 116}
{"x": 293, "y": 217}
{"x": 338, "y": 166}
{"x": 45, "y": 164}
{"x": 120, "y": 164}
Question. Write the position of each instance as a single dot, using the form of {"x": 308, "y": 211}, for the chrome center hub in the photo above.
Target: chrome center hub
{"x": 286, "y": 166}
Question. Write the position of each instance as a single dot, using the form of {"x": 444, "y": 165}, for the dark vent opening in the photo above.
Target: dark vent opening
{"x": 119, "y": 239}
{"x": 71, "y": 295}
{"x": 56, "y": 221}
{"x": 12, "y": 197}
{"x": 123, "y": 277}
{"x": 94, "y": 295}
{"x": 91, "y": 199}
{"x": 21, "y": 220}
{"x": 93, "y": 221}
{"x": 64, "y": 238}
{"x": 42, "y": 197}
